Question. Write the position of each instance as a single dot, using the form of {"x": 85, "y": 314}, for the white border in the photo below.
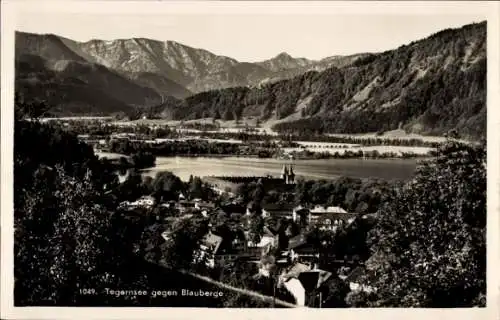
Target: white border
{"x": 490, "y": 10}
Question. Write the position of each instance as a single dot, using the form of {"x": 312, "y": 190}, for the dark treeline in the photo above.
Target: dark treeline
{"x": 194, "y": 147}
{"x": 164, "y": 186}
{"x": 200, "y": 126}
{"x": 286, "y": 137}
{"x": 313, "y": 136}
{"x": 376, "y": 141}
{"x": 69, "y": 233}
{"x": 350, "y": 154}
{"x": 353, "y": 194}
{"x": 102, "y": 129}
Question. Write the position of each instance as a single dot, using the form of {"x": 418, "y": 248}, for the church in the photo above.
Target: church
{"x": 288, "y": 175}
{"x": 284, "y": 182}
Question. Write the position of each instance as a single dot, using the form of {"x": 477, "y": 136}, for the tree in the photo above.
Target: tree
{"x": 334, "y": 293}
{"x": 62, "y": 240}
{"x": 228, "y": 115}
{"x": 178, "y": 253}
{"x": 167, "y": 186}
{"x": 196, "y": 188}
{"x": 132, "y": 188}
{"x": 143, "y": 160}
{"x": 431, "y": 237}
{"x": 256, "y": 227}
{"x": 33, "y": 109}
{"x": 258, "y": 192}
{"x": 216, "y": 115}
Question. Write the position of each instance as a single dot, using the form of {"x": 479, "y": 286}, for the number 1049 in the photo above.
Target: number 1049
{"x": 87, "y": 291}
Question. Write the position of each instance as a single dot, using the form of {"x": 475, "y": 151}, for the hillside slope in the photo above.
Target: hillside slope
{"x": 73, "y": 87}
{"x": 59, "y": 51}
{"x": 429, "y": 86}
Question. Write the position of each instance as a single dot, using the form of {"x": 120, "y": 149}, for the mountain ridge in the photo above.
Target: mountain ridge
{"x": 195, "y": 69}
{"x": 427, "y": 86}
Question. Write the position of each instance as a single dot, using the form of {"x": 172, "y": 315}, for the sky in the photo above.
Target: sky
{"x": 251, "y": 37}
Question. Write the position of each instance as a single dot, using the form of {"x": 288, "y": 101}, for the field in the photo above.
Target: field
{"x": 265, "y": 128}
{"x": 341, "y": 148}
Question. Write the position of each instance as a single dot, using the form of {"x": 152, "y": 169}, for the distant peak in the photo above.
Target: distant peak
{"x": 283, "y": 55}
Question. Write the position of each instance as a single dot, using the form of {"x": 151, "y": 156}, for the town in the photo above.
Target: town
{"x": 259, "y": 223}
{"x": 284, "y": 245}
{"x": 149, "y": 173}
{"x": 287, "y": 237}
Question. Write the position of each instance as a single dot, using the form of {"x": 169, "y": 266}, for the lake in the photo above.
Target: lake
{"x": 183, "y": 167}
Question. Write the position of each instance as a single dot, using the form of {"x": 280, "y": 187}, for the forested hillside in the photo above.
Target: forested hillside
{"x": 76, "y": 87}
{"x": 429, "y": 86}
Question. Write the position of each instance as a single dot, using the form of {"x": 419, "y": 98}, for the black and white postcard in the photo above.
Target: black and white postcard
{"x": 186, "y": 158}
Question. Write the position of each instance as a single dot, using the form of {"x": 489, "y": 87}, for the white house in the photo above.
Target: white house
{"x": 147, "y": 201}
{"x": 298, "y": 211}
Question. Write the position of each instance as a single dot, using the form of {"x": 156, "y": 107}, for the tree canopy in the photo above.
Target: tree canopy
{"x": 430, "y": 242}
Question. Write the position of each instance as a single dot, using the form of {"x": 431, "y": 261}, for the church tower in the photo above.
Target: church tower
{"x": 291, "y": 176}
{"x": 284, "y": 174}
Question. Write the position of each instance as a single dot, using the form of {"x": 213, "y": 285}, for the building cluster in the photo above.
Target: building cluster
{"x": 281, "y": 249}
{"x": 296, "y": 262}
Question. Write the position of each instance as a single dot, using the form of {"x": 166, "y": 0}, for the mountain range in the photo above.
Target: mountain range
{"x": 428, "y": 86}
{"x": 153, "y": 69}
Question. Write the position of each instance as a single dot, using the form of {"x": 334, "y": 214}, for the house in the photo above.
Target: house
{"x": 146, "y": 201}
{"x": 294, "y": 271}
{"x": 278, "y": 210}
{"x": 318, "y": 211}
{"x": 301, "y": 280}
{"x": 211, "y": 243}
{"x": 300, "y": 213}
{"x": 200, "y": 205}
{"x": 268, "y": 241}
{"x": 208, "y": 249}
{"x": 294, "y": 286}
{"x": 299, "y": 247}
{"x": 169, "y": 204}
{"x": 266, "y": 265}
{"x": 331, "y": 221}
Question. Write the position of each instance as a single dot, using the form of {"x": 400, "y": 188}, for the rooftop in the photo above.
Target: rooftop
{"x": 337, "y": 216}
{"x": 331, "y": 209}
{"x": 212, "y": 241}
{"x": 296, "y": 270}
{"x": 297, "y": 241}
{"x": 312, "y": 279}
